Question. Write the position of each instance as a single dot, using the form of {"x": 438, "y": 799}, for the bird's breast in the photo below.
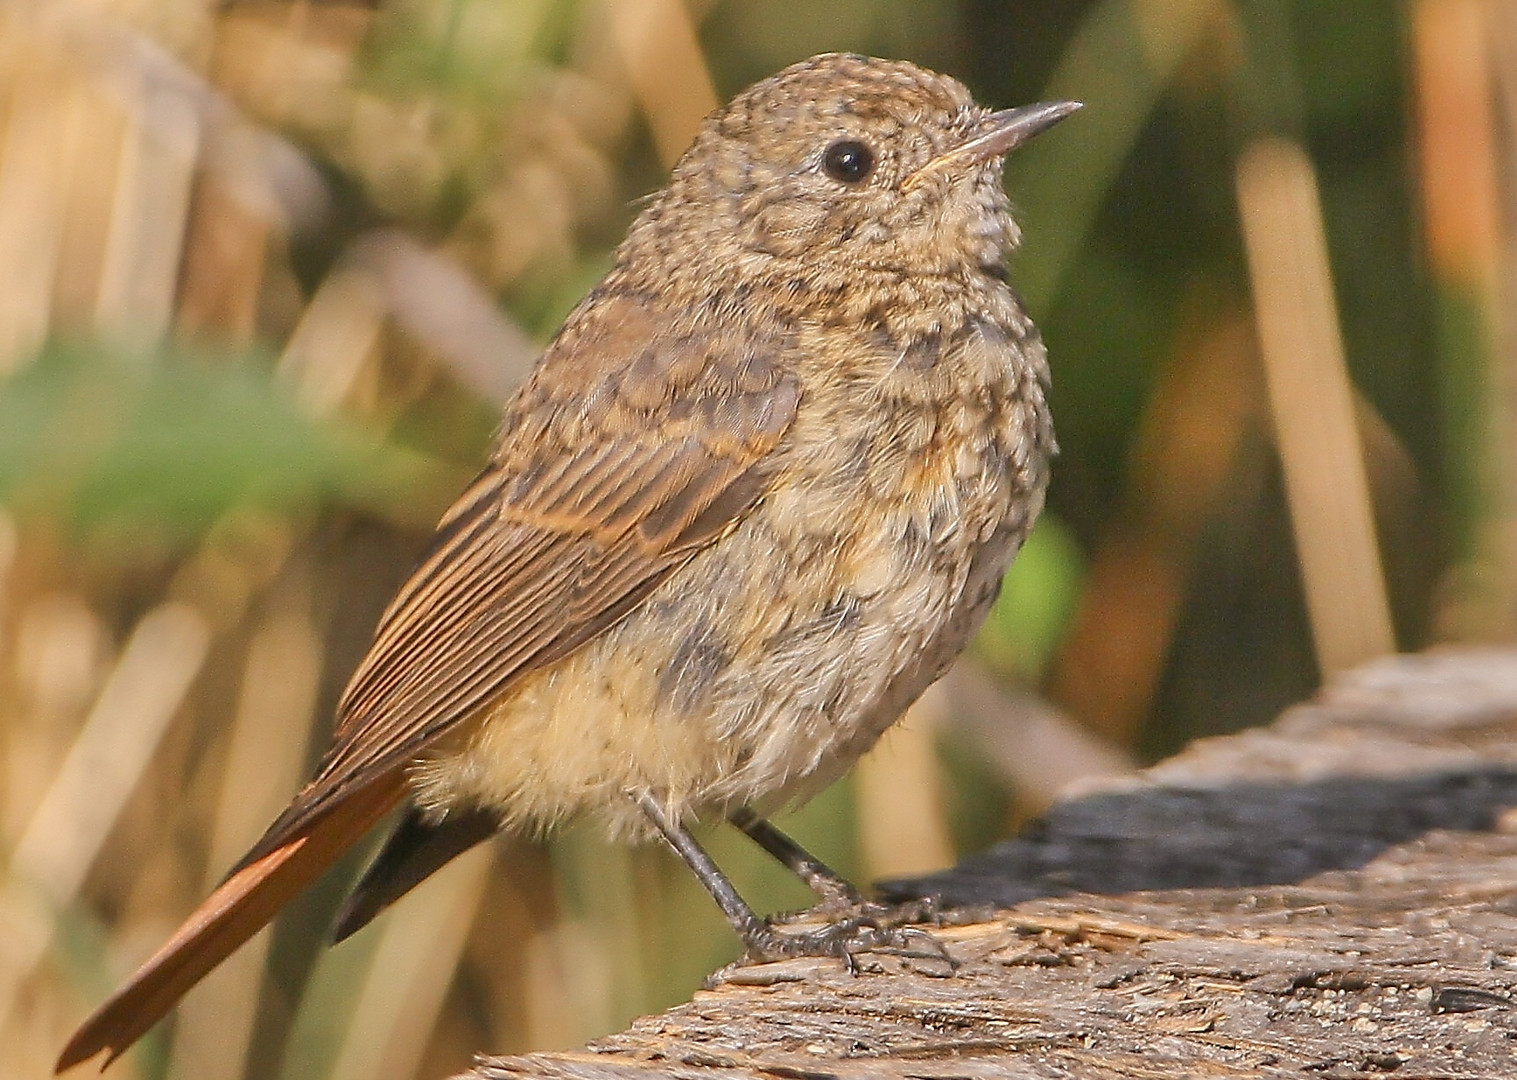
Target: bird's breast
{"x": 779, "y": 652}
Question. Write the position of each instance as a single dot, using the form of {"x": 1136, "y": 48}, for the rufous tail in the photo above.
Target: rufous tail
{"x": 239, "y": 907}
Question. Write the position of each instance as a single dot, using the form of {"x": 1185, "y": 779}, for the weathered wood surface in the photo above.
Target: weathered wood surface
{"x": 1333, "y": 896}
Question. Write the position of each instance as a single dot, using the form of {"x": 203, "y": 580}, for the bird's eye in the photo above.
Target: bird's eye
{"x": 848, "y": 161}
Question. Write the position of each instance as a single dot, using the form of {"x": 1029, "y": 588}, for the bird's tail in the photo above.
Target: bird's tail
{"x": 237, "y": 910}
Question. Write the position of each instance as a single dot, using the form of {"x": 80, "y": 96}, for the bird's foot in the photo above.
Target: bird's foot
{"x": 873, "y": 929}
{"x": 851, "y": 905}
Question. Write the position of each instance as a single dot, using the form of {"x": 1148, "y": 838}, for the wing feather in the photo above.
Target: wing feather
{"x": 594, "y": 497}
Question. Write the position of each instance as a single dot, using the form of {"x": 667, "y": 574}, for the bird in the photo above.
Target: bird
{"x": 757, "y": 494}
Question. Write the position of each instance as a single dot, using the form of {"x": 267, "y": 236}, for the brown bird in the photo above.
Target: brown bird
{"x": 755, "y": 497}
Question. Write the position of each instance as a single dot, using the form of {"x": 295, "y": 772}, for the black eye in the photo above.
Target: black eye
{"x": 848, "y": 161}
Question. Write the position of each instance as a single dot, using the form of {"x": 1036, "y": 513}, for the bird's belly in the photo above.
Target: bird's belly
{"x": 757, "y": 672}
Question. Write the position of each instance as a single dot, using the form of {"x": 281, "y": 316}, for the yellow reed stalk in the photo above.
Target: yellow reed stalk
{"x": 102, "y": 768}
{"x": 264, "y": 766}
{"x": 902, "y": 828}
{"x": 668, "y": 74}
{"x": 411, "y": 971}
{"x": 1313, "y": 408}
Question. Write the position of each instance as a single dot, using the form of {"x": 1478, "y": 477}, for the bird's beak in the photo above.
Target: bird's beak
{"x": 999, "y": 134}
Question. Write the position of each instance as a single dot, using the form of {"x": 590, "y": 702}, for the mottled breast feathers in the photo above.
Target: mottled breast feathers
{"x": 639, "y": 439}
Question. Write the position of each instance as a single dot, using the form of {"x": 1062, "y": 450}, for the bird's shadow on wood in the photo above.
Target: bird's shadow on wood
{"x": 1216, "y": 837}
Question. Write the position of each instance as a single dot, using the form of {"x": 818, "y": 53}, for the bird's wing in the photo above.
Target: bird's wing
{"x": 632, "y": 447}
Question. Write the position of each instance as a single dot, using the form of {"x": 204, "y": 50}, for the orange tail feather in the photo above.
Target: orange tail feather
{"x": 236, "y": 911}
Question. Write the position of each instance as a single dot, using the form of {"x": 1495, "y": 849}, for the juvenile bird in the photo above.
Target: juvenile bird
{"x": 754, "y": 498}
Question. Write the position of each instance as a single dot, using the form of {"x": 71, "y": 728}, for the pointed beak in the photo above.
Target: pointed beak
{"x": 999, "y": 134}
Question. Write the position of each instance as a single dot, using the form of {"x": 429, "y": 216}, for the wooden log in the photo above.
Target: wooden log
{"x": 1332, "y": 896}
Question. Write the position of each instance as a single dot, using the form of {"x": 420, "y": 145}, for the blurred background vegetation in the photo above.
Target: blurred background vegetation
{"x": 268, "y": 268}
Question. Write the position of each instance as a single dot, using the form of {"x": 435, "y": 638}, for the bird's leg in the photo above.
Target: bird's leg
{"x": 836, "y": 892}
{"x": 742, "y": 917}
{"x": 827, "y": 883}
{"x": 844, "y": 938}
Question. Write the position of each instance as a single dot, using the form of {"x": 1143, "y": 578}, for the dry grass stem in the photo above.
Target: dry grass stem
{"x": 1040, "y": 750}
{"x": 338, "y": 337}
{"x": 411, "y": 971}
{"x": 223, "y": 264}
{"x": 1313, "y": 408}
{"x": 665, "y": 68}
{"x": 439, "y": 304}
{"x": 101, "y": 769}
{"x": 35, "y": 161}
{"x": 140, "y": 275}
{"x": 1466, "y": 104}
{"x": 903, "y": 829}
{"x": 264, "y": 766}
{"x": 1503, "y": 396}
{"x": 1456, "y": 137}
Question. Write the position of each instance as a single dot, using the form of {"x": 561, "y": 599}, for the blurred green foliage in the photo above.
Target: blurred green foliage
{"x": 1037, "y": 599}
{"x": 124, "y": 444}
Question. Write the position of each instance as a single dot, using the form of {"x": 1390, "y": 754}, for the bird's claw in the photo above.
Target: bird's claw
{"x": 847, "y": 939}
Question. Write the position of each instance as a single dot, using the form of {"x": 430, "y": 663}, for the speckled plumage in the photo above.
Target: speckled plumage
{"x": 756, "y": 496}
{"x": 911, "y": 472}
